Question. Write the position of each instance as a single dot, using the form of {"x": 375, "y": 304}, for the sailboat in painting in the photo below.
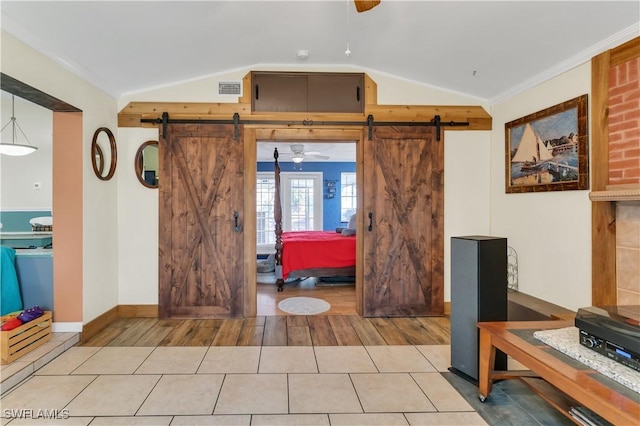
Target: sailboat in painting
{"x": 532, "y": 152}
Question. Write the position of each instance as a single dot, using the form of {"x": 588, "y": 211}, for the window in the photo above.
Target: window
{"x": 265, "y": 192}
{"x": 348, "y": 197}
{"x": 301, "y": 196}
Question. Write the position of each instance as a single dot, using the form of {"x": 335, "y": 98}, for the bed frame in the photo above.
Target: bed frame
{"x": 301, "y": 273}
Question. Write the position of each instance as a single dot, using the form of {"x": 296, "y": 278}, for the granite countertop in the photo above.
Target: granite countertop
{"x": 567, "y": 341}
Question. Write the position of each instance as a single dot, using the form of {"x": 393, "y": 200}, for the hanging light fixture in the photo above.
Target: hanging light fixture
{"x": 13, "y": 148}
{"x": 297, "y": 157}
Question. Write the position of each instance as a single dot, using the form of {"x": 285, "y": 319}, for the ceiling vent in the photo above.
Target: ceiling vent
{"x": 229, "y": 88}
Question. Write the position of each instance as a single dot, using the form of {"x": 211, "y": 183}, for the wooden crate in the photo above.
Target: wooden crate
{"x": 22, "y": 340}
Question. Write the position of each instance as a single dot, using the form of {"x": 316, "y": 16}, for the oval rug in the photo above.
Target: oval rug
{"x": 303, "y": 305}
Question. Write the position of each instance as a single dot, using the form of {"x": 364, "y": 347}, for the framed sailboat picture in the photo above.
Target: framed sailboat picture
{"x": 548, "y": 150}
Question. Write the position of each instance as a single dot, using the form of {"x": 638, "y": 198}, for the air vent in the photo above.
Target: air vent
{"x": 228, "y": 88}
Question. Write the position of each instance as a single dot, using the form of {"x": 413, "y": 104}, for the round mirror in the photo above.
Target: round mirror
{"x": 146, "y": 164}
{"x": 103, "y": 151}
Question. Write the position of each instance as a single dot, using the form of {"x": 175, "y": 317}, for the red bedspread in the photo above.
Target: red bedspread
{"x": 316, "y": 249}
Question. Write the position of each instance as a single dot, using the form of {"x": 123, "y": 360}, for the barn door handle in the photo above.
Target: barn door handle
{"x": 236, "y": 227}
{"x": 370, "y": 222}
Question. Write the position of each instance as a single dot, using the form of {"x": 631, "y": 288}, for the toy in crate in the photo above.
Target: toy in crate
{"x": 24, "y": 331}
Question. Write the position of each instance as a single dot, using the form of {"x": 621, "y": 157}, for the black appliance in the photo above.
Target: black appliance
{"x": 613, "y": 331}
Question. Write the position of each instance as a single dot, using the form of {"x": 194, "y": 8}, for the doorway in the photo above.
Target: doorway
{"x": 321, "y": 143}
{"x": 318, "y": 190}
{"x": 67, "y": 183}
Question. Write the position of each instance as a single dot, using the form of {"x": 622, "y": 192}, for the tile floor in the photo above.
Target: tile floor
{"x": 353, "y": 385}
{"x": 17, "y": 371}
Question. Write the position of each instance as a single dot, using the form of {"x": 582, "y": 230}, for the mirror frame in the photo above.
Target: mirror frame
{"x": 97, "y": 151}
{"x": 99, "y": 157}
{"x": 137, "y": 162}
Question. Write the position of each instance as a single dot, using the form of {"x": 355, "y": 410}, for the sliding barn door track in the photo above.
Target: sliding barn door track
{"x": 370, "y": 123}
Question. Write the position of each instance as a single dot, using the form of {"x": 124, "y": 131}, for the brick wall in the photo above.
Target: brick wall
{"x": 624, "y": 123}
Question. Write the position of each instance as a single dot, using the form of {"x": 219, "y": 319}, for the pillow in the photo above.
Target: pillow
{"x": 351, "y": 228}
{"x": 352, "y": 222}
{"x": 267, "y": 265}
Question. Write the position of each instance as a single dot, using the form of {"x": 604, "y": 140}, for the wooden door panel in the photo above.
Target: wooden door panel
{"x": 279, "y": 92}
{"x": 404, "y": 192}
{"x": 335, "y": 93}
{"x": 201, "y": 252}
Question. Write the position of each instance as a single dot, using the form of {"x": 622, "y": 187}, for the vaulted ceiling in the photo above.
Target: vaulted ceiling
{"x": 482, "y": 49}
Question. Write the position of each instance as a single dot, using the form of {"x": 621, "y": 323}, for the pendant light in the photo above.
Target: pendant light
{"x": 13, "y": 148}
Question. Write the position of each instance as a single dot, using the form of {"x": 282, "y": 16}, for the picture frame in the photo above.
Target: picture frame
{"x": 548, "y": 150}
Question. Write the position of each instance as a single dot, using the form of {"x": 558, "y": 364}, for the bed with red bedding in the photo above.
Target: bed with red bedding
{"x": 310, "y": 253}
{"x": 317, "y": 254}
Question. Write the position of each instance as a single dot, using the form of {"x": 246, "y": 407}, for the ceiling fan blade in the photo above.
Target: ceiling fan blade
{"x": 317, "y": 156}
{"x": 364, "y": 5}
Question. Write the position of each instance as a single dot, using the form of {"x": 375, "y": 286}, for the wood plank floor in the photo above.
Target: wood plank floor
{"x": 340, "y": 326}
{"x": 342, "y": 298}
{"x": 297, "y": 330}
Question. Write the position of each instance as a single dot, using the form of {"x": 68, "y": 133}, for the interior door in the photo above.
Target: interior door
{"x": 201, "y": 222}
{"x": 403, "y": 222}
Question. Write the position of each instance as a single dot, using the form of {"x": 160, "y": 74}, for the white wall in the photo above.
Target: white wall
{"x": 100, "y": 201}
{"x": 137, "y": 225}
{"x": 551, "y": 231}
{"x": 391, "y": 90}
{"x": 467, "y": 165}
{"x": 18, "y": 174}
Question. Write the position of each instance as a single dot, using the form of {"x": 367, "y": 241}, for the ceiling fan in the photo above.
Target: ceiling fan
{"x": 298, "y": 154}
{"x": 364, "y": 5}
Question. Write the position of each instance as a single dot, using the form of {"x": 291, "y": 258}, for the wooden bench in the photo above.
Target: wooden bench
{"x": 522, "y": 307}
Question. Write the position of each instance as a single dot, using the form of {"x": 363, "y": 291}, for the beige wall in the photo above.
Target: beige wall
{"x": 551, "y": 231}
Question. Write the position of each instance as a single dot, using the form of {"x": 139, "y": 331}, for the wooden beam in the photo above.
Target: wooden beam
{"x": 477, "y": 117}
{"x": 190, "y": 109}
{"x": 625, "y": 52}
{"x": 370, "y": 91}
{"x": 134, "y": 112}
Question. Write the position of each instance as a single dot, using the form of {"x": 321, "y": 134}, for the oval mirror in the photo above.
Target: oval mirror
{"x": 104, "y": 151}
{"x": 146, "y": 164}
{"x": 98, "y": 158}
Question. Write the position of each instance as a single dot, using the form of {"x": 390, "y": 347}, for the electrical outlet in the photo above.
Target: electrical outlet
{"x": 37, "y": 186}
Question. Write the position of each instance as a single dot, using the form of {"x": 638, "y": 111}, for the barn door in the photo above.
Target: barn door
{"x": 403, "y": 222}
{"x": 201, "y": 244}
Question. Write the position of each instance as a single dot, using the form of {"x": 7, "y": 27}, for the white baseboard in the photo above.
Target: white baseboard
{"x": 66, "y": 327}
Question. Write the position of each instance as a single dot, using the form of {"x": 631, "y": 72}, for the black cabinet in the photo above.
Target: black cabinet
{"x": 307, "y": 92}
{"x": 478, "y": 293}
